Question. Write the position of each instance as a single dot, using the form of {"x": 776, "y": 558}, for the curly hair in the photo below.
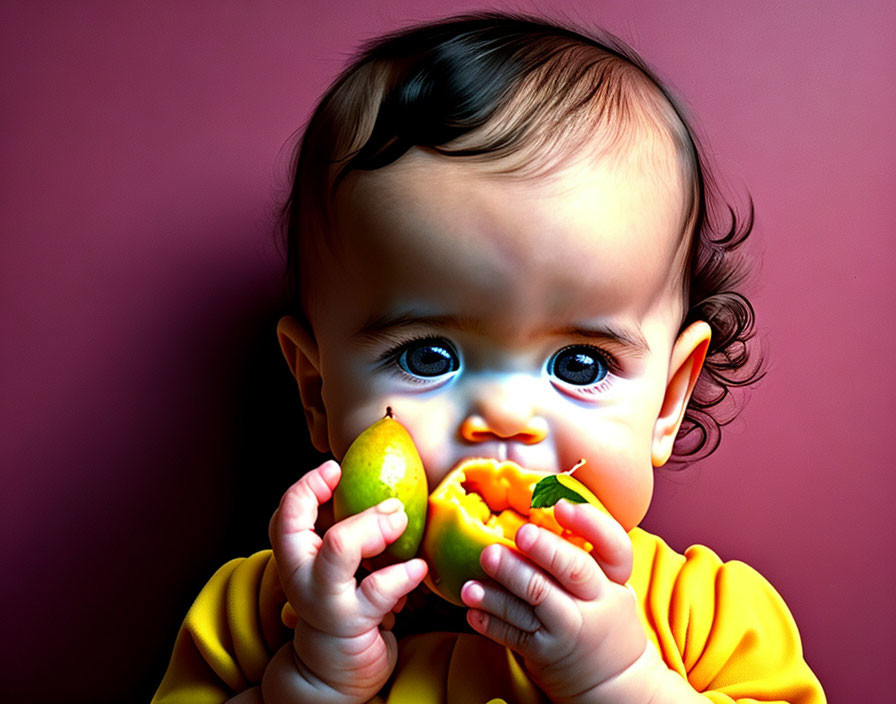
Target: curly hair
{"x": 531, "y": 93}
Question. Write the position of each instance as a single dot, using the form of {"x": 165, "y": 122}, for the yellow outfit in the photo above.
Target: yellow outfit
{"x": 720, "y": 625}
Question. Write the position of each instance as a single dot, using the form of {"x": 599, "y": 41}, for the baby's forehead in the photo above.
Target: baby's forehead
{"x": 597, "y": 225}
{"x": 646, "y": 175}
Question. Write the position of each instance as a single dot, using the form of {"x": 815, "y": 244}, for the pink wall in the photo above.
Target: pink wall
{"x": 145, "y": 412}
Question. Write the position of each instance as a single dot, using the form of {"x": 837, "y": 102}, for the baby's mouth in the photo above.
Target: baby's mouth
{"x": 502, "y": 451}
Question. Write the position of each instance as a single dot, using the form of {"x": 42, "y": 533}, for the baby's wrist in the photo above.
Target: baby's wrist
{"x": 648, "y": 680}
{"x": 287, "y": 680}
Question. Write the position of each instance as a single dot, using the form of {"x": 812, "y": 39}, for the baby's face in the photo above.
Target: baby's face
{"x": 532, "y": 321}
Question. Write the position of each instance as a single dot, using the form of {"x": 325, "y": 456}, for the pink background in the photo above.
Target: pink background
{"x": 147, "y": 418}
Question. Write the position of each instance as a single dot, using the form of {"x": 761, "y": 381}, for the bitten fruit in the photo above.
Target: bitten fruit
{"x": 484, "y": 501}
{"x": 381, "y": 463}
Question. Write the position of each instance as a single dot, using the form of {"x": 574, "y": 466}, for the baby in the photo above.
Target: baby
{"x": 499, "y": 228}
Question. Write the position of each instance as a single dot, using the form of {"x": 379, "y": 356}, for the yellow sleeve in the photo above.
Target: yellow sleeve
{"x": 228, "y": 636}
{"x": 234, "y": 628}
{"x": 721, "y": 625}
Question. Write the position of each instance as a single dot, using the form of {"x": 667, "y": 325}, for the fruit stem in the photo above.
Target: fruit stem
{"x": 389, "y": 412}
{"x": 575, "y": 466}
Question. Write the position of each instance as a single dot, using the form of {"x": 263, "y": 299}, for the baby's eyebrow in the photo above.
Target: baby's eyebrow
{"x": 631, "y": 340}
{"x": 392, "y": 321}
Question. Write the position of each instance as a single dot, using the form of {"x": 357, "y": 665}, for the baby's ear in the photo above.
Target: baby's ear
{"x": 302, "y": 355}
{"x": 685, "y": 364}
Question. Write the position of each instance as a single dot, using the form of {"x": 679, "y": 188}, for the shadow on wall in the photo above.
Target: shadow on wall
{"x": 268, "y": 450}
{"x": 164, "y": 459}
{"x": 271, "y": 447}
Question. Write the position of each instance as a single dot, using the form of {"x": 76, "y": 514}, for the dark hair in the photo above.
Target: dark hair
{"x": 493, "y": 86}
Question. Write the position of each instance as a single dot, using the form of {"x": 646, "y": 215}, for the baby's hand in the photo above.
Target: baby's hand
{"x": 568, "y": 613}
{"x": 343, "y": 650}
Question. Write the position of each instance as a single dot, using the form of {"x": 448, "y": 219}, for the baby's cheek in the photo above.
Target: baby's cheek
{"x": 621, "y": 480}
{"x": 438, "y": 460}
{"x": 431, "y": 430}
{"x": 635, "y": 501}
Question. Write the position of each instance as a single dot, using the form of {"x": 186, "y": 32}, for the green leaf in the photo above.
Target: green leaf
{"x": 549, "y": 491}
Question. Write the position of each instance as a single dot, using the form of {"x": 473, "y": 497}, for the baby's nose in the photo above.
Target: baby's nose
{"x": 504, "y": 410}
{"x": 475, "y": 428}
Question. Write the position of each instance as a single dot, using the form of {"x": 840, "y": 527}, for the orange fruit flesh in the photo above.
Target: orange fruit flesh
{"x": 480, "y": 502}
{"x": 501, "y": 500}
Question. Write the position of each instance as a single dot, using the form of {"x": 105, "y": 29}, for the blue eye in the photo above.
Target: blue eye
{"x": 428, "y": 358}
{"x": 579, "y": 365}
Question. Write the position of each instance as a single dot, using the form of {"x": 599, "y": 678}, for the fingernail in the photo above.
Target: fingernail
{"x": 392, "y": 505}
{"x": 416, "y": 569}
{"x": 476, "y": 618}
{"x": 564, "y": 505}
{"x": 490, "y": 557}
{"x": 473, "y": 592}
{"x": 526, "y": 535}
{"x": 396, "y": 520}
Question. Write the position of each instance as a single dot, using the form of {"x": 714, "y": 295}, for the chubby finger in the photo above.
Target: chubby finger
{"x": 552, "y": 605}
{"x": 500, "y": 603}
{"x": 380, "y": 592}
{"x": 350, "y": 540}
{"x": 503, "y": 633}
{"x": 571, "y": 566}
{"x": 291, "y": 530}
{"x": 612, "y": 546}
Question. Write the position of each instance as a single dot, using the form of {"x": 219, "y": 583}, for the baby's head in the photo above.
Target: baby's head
{"x": 499, "y": 228}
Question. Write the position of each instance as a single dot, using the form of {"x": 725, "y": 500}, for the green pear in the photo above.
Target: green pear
{"x": 381, "y": 463}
